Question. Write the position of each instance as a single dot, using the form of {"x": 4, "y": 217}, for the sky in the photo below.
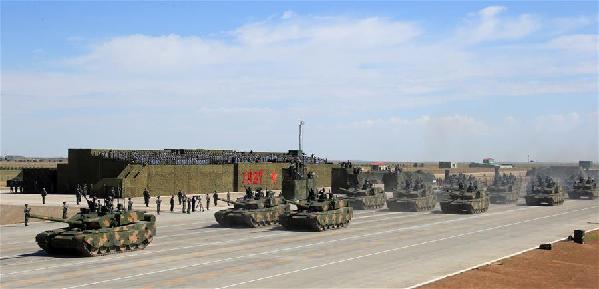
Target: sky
{"x": 390, "y": 81}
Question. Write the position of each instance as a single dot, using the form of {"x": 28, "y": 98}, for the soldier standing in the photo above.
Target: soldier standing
{"x": 180, "y": 196}
{"x": 146, "y": 197}
{"x": 78, "y": 194}
{"x": 228, "y": 198}
{"x": 189, "y": 205}
{"x": 44, "y": 194}
{"x": 158, "y": 202}
{"x": 27, "y": 211}
{"x": 184, "y": 201}
{"x": 193, "y": 203}
{"x": 207, "y": 202}
{"x": 64, "y": 210}
{"x": 200, "y": 206}
{"x": 215, "y": 197}
{"x": 172, "y": 203}
{"x": 130, "y": 204}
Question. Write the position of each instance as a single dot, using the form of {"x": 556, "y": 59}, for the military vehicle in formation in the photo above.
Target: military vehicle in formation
{"x": 318, "y": 214}
{"x": 585, "y": 188}
{"x": 505, "y": 189}
{"x": 415, "y": 196}
{"x": 544, "y": 191}
{"x": 465, "y": 200}
{"x": 349, "y": 176}
{"x": 91, "y": 233}
{"x": 253, "y": 210}
{"x": 365, "y": 198}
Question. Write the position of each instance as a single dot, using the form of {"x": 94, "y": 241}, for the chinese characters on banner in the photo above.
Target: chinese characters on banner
{"x": 257, "y": 177}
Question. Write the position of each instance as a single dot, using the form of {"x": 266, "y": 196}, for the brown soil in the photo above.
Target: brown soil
{"x": 568, "y": 265}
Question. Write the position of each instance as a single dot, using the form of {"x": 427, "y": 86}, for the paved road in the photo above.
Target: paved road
{"x": 379, "y": 249}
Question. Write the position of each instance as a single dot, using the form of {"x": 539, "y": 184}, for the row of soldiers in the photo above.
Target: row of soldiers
{"x": 188, "y": 203}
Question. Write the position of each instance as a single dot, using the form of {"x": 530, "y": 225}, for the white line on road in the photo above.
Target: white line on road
{"x": 298, "y": 247}
{"x": 403, "y": 247}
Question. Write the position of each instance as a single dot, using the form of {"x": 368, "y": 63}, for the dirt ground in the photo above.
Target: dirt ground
{"x": 568, "y": 265}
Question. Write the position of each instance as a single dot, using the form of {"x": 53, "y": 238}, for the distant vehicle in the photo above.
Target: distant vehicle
{"x": 320, "y": 214}
{"x": 584, "y": 188}
{"x": 98, "y": 233}
{"x": 544, "y": 191}
{"x": 365, "y": 198}
{"x": 505, "y": 189}
{"x": 465, "y": 200}
{"x": 253, "y": 210}
{"x": 415, "y": 196}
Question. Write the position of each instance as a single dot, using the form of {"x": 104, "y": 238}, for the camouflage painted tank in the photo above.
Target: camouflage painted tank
{"x": 318, "y": 215}
{"x": 366, "y": 198}
{"x": 465, "y": 200}
{"x": 584, "y": 188}
{"x": 414, "y": 197}
{"x": 98, "y": 233}
{"x": 253, "y": 210}
{"x": 505, "y": 189}
{"x": 544, "y": 191}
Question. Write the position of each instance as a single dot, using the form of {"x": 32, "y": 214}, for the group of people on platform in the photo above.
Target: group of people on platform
{"x": 202, "y": 157}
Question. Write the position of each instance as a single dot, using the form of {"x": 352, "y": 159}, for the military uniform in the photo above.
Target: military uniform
{"x": 27, "y": 212}
{"x": 64, "y": 210}
{"x": 158, "y": 202}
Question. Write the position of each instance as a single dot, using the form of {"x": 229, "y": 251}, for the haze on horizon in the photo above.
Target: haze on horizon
{"x": 373, "y": 81}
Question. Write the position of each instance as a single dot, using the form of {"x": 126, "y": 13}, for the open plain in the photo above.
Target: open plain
{"x": 379, "y": 249}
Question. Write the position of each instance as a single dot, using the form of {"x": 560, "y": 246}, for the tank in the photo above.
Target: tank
{"x": 544, "y": 191}
{"x": 465, "y": 200}
{"x": 93, "y": 233}
{"x": 366, "y": 198}
{"x": 415, "y": 196}
{"x": 584, "y": 189}
{"x": 505, "y": 189}
{"x": 318, "y": 215}
{"x": 253, "y": 210}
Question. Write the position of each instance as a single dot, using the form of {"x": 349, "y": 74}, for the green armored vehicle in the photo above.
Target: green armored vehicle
{"x": 465, "y": 200}
{"x": 584, "y": 188}
{"x": 544, "y": 191}
{"x": 319, "y": 214}
{"x": 366, "y": 198}
{"x": 416, "y": 196}
{"x": 253, "y": 210}
{"x": 92, "y": 233}
{"x": 505, "y": 189}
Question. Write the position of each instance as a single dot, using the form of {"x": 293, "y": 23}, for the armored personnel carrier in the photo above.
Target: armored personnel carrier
{"x": 584, "y": 188}
{"x": 366, "y": 198}
{"x": 319, "y": 214}
{"x": 505, "y": 189}
{"x": 414, "y": 197}
{"x": 544, "y": 191}
{"x": 92, "y": 233}
{"x": 465, "y": 200}
{"x": 253, "y": 210}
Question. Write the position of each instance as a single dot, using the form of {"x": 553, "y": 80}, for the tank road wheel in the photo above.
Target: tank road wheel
{"x": 103, "y": 250}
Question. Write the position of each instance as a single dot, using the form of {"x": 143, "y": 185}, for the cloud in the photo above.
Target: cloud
{"x": 576, "y": 43}
{"x": 488, "y": 25}
{"x": 367, "y": 76}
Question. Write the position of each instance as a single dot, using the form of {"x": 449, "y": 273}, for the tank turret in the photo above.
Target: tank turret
{"x": 544, "y": 191}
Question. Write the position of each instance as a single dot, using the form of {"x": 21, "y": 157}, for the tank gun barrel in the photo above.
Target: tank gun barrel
{"x": 227, "y": 201}
{"x": 48, "y": 218}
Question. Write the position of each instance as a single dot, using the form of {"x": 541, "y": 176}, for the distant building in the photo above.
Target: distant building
{"x": 585, "y": 164}
{"x": 506, "y": 166}
{"x": 378, "y": 166}
{"x": 448, "y": 165}
{"x": 488, "y": 161}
